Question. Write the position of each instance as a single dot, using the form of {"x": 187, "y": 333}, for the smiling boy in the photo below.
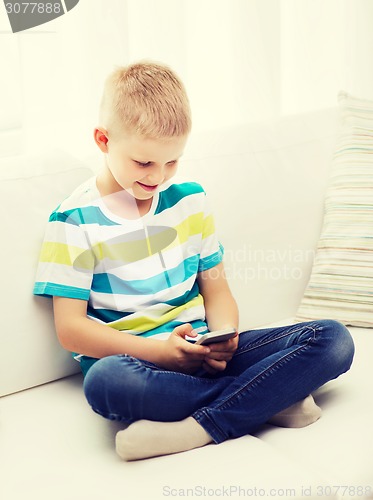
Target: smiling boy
{"x": 127, "y": 259}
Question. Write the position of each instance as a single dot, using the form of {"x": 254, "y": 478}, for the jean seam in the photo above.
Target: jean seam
{"x": 278, "y": 361}
{"x": 112, "y": 416}
{"x": 205, "y": 411}
{"x": 158, "y": 369}
{"x": 214, "y": 430}
{"x": 274, "y": 339}
{"x": 261, "y": 375}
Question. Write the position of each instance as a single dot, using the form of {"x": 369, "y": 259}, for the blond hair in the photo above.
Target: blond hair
{"x": 147, "y": 99}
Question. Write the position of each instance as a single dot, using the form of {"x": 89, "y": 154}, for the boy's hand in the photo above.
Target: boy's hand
{"x": 180, "y": 355}
{"x": 220, "y": 354}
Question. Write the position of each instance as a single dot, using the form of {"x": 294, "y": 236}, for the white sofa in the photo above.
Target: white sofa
{"x": 266, "y": 183}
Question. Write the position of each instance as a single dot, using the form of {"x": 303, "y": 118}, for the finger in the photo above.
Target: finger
{"x": 198, "y": 351}
{"x": 208, "y": 369}
{"x": 220, "y": 356}
{"x": 217, "y": 349}
{"x": 192, "y": 349}
{"x": 226, "y": 346}
{"x": 216, "y": 364}
{"x": 183, "y": 330}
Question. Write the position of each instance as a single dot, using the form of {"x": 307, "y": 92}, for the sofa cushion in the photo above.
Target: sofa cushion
{"x": 340, "y": 285}
{"x": 266, "y": 184}
{"x": 30, "y": 188}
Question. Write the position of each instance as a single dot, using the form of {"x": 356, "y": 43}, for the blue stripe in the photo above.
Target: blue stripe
{"x": 108, "y": 315}
{"x": 186, "y": 297}
{"x": 47, "y": 289}
{"x": 84, "y": 215}
{"x": 176, "y": 192}
{"x": 212, "y": 260}
{"x": 109, "y": 283}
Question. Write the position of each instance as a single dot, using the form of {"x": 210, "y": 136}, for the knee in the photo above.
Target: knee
{"x": 112, "y": 384}
{"x": 95, "y": 383}
{"x": 340, "y": 345}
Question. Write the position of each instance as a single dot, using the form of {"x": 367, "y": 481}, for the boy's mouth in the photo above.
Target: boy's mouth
{"x": 146, "y": 187}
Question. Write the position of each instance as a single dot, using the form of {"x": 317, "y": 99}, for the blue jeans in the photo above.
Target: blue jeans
{"x": 272, "y": 369}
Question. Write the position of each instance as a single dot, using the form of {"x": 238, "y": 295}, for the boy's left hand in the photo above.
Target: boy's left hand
{"x": 220, "y": 354}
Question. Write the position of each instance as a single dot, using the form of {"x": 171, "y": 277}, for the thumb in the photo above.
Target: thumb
{"x": 183, "y": 330}
{"x": 187, "y": 330}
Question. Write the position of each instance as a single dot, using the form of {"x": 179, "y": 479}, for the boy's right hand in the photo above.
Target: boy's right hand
{"x": 182, "y": 356}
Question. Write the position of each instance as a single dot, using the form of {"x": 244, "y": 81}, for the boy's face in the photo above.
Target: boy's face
{"x": 140, "y": 165}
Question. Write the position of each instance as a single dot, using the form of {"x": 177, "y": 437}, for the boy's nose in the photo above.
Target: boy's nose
{"x": 156, "y": 176}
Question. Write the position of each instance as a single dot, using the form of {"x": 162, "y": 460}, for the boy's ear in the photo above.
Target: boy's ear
{"x": 101, "y": 139}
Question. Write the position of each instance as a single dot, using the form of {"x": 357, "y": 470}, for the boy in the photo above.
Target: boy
{"x": 127, "y": 259}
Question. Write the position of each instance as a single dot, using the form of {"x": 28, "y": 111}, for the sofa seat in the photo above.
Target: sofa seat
{"x": 54, "y": 446}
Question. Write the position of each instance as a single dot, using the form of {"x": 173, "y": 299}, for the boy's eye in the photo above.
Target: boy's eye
{"x": 142, "y": 164}
{"x": 148, "y": 163}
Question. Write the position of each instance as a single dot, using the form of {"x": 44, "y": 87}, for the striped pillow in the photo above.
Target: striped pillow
{"x": 341, "y": 282}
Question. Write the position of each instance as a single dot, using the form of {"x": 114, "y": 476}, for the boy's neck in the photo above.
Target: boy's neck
{"x": 120, "y": 202}
{"x": 144, "y": 206}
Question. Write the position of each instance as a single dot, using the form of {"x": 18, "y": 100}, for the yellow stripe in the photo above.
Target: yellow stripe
{"x": 60, "y": 253}
{"x": 208, "y": 226}
{"x": 194, "y": 224}
{"x": 190, "y": 226}
{"x": 128, "y": 251}
{"x": 147, "y": 242}
{"x": 143, "y": 324}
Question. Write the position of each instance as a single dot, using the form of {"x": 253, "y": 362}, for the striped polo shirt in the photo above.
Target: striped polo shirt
{"x": 138, "y": 275}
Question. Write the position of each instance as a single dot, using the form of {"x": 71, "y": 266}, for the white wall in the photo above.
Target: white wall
{"x": 241, "y": 61}
{"x": 248, "y": 60}
{"x": 326, "y": 46}
{"x": 226, "y": 51}
{"x": 358, "y": 50}
{"x": 313, "y": 36}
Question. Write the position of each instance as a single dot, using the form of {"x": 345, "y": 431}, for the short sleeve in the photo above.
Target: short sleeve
{"x": 66, "y": 261}
{"x": 211, "y": 249}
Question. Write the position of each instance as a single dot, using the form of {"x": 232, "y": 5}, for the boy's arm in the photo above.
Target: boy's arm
{"x": 221, "y": 312}
{"x": 78, "y": 333}
{"x": 220, "y": 305}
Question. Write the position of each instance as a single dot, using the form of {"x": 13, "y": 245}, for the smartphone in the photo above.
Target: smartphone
{"x": 216, "y": 336}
